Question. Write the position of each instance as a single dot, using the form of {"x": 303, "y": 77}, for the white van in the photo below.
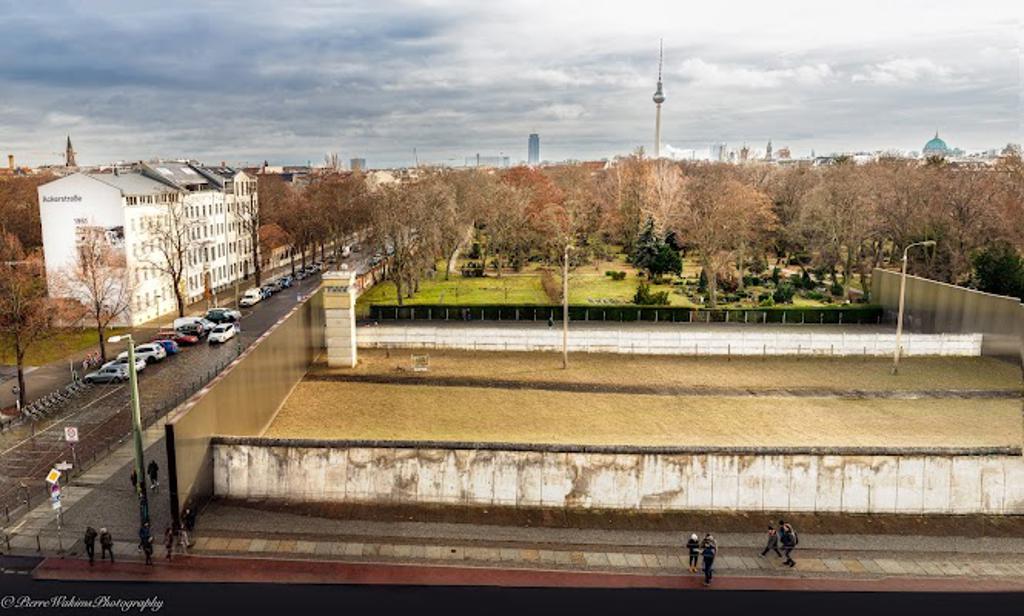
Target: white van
{"x": 251, "y": 296}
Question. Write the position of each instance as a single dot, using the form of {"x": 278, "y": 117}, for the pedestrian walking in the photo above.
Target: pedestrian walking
{"x": 90, "y": 543}
{"x": 135, "y": 481}
{"x": 188, "y": 521}
{"x": 773, "y": 542}
{"x": 153, "y": 470}
{"x": 106, "y": 545}
{"x": 146, "y": 542}
{"x": 693, "y": 545}
{"x": 789, "y": 540}
{"x": 709, "y": 550}
{"x": 169, "y": 541}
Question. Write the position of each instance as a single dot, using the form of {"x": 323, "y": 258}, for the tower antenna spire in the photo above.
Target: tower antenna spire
{"x": 659, "y": 98}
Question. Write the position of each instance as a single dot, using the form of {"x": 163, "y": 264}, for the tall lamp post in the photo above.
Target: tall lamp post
{"x": 133, "y": 382}
{"x": 565, "y": 307}
{"x": 903, "y": 296}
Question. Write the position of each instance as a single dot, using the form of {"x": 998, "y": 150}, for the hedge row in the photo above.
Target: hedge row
{"x": 531, "y": 312}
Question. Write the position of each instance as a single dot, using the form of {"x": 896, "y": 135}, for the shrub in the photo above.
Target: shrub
{"x": 615, "y": 275}
{"x": 784, "y": 293}
{"x": 815, "y": 295}
{"x": 702, "y": 281}
{"x": 766, "y": 301}
{"x": 551, "y": 286}
{"x": 758, "y": 264}
{"x": 776, "y": 274}
{"x": 644, "y": 296}
{"x": 751, "y": 281}
{"x": 837, "y": 289}
{"x": 474, "y": 252}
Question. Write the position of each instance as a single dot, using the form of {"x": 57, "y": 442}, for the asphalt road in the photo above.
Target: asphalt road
{"x": 177, "y": 598}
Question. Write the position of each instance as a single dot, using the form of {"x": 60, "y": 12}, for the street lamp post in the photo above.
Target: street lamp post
{"x": 133, "y": 382}
{"x": 565, "y": 308}
{"x": 903, "y": 295}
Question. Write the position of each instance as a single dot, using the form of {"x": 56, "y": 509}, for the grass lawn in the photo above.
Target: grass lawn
{"x": 64, "y": 343}
{"x": 339, "y": 410}
{"x": 872, "y": 374}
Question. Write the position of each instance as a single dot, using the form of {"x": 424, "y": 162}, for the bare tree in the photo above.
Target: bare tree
{"x": 401, "y": 225}
{"x": 27, "y": 315}
{"x": 99, "y": 280}
{"x": 716, "y": 214}
{"x": 169, "y": 248}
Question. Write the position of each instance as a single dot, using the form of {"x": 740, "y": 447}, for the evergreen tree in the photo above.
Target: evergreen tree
{"x": 999, "y": 269}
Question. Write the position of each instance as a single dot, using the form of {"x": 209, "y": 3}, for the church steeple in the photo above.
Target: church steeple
{"x": 69, "y": 155}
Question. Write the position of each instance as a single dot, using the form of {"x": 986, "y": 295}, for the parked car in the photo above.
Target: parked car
{"x": 151, "y": 352}
{"x": 195, "y": 330}
{"x": 222, "y": 315}
{"x": 170, "y": 346}
{"x": 223, "y": 333}
{"x": 251, "y": 298}
{"x": 140, "y": 364}
{"x": 278, "y": 285}
{"x": 180, "y": 338}
{"x": 108, "y": 374}
{"x": 301, "y": 274}
{"x": 287, "y": 281}
{"x": 267, "y": 290}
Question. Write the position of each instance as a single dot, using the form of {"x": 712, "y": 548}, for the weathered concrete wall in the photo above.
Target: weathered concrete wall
{"x": 674, "y": 341}
{"x": 854, "y": 482}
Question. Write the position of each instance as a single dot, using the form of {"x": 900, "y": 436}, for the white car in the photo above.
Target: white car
{"x": 222, "y": 333}
{"x": 251, "y": 297}
{"x": 150, "y": 352}
{"x": 140, "y": 364}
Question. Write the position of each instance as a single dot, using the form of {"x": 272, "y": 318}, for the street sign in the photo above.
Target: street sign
{"x": 71, "y": 434}
{"x": 52, "y": 476}
{"x": 63, "y": 466}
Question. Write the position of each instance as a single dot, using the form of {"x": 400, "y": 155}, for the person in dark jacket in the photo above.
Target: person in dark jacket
{"x": 694, "y": 547}
{"x": 90, "y": 543}
{"x": 773, "y": 542}
{"x": 135, "y": 480}
{"x": 146, "y": 542}
{"x": 153, "y": 470}
{"x": 169, "y": 541}
{"x": 789, "y": 541}
{"x": 106, "y": 545}
{"x": 709, "y": 550}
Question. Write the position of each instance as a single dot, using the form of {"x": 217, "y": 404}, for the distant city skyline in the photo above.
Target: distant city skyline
{"x": 286, "y": 84}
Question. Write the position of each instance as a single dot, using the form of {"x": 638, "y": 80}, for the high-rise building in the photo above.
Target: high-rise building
{"x": 718, "y": 152}
{"x": 533, "y": 150}
{"x": 659, "y": 98}
{"x": 357, "y": 164}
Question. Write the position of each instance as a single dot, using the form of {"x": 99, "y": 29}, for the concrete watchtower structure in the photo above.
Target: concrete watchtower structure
{"x": 340, "y": 318}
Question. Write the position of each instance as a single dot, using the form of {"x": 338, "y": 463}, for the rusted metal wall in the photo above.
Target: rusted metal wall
{"x": 242, "y": 400}
{"x": 937, "y": 307}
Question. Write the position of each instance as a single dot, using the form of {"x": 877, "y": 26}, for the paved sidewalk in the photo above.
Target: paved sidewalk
{"x": 304, "y": 571}
{"x": 651, "y": 561}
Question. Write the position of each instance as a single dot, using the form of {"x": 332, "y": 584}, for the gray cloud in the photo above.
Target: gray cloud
{"x": 243, "y": 81}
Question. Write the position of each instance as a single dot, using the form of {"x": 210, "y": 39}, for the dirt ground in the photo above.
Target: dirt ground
{"x": 347, "y": 410}
{"x": 871, "y": 374}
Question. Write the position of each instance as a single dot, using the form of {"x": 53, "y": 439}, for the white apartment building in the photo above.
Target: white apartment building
{"x": 133, "y": 208}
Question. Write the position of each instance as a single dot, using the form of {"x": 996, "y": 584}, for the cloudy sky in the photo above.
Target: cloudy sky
{"x": 289, "y": 81}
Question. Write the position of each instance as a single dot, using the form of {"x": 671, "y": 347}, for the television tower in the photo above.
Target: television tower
{"x": 659, "y": 98}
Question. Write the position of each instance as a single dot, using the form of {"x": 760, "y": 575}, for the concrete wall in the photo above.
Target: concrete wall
{"x": 937, "y": 307}
{"x": 669, "y": 341}
{"x": 242, "y": 400}
{"x": 853, "y": 482}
